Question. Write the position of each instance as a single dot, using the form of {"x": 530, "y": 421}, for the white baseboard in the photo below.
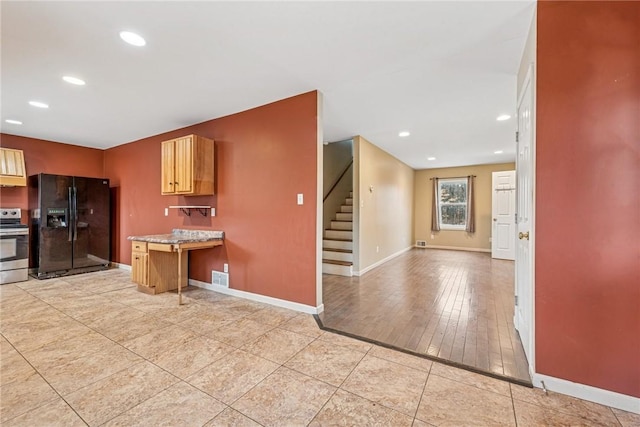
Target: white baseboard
{"x": 121, "y": 266}
{"x": 259, "y": 298}
{"x": 454, "y": 248}
{"x": 382, "y": 261}
{"x": 585, "y": 392}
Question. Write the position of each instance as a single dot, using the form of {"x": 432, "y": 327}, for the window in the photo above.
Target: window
{"x": 452, "y": 203}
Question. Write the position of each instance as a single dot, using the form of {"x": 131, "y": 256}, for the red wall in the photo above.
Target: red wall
{"x": 49, "y": 157}
{"x": 264, "y": 157}
{"x": 588, "y": 202}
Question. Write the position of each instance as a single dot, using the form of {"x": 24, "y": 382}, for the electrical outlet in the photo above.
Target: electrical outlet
{"x": 225, "y": 267}
{"x": 377, "y": 249}
{"x": 166, "y": 211}
{"x": 433, "y": 236}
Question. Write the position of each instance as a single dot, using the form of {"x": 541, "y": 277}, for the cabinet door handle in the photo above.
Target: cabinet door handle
{"x": 137, "y": 258}
{"x": 176, "y": 183}
{"x": 171, "y": 183}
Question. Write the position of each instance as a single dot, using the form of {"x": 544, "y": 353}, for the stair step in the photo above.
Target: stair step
{"x": 351, "y": 194}
{"x": 346, "y": 251}
{"x": 341, "y": 225}
{"x": 337, "y": 269}
{"x": 349, "y": 201}
{"x": 344, "y": 244}
{"x": 337, "y": 262}
{"x": 334, "y": 255}
{"x": 342, "y": 216}
{"x": 338, "y": 234}
{"x": 346, "y": 209}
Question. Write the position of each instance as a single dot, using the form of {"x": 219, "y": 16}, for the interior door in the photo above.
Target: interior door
{"x": 524, "y": 188}
{"x": 503, "y": 201}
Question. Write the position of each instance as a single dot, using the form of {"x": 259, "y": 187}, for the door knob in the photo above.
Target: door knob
{"x": 524, "y": 235}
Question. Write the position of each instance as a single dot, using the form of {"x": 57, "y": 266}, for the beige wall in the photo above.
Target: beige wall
{"x": 383, "y": 192}
{"x": 455, "y": 238}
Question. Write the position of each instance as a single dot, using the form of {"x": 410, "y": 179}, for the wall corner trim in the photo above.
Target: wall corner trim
{"x": 592, "y": 394}
{"x": 303, "y": 308}
{"x": 382, "y": 261}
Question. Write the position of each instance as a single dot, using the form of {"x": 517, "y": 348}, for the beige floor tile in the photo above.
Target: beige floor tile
{"x": 13, "y": 367}
{"x": 111, "y": 396}
{"x": 115, "y": 312}
{"x": 285, "y": 398}
{"x": 232, "y": 376}
{"x": 64, "y": 351}
{"x": 303, "y": 324}
{"x": 471, "y": 378}
{"x": 346, "y": 409}
{"x": 19, "y": 397}
{"x": 206, "y": 319}
{"x": 278, "y": 345}
{"x": 125, "y": 330}
{"x": 390, "y": 384}
{"x": 54, "y": 414}
{"x": 159, "y": 341}
{"x": 528, "y": 415}
{"x": 325, "y": 361}
{"x": 448, "y": 402}
{"x": 240, "y": 332}
{"x": 566, "y": 404}
{"x": 343, "y": 341}
{"x": 37, "y": 333}
{"x": 627, "y": 419}
{"x": 272, "y": 315}
{"x": 231, "y": 418}
{"x": 179, "y": 405}
{"x": 88, "y": 369}
{"x": 193, "y": 355}
{"x": 419, "y": 423}
{"x": 401, "y": 358}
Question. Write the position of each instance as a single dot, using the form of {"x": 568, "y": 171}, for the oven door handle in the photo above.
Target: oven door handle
{"x": 14, "y": 233}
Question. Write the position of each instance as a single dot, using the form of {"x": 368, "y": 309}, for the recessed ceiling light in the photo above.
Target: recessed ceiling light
{"x": 403, "y": 134}
{"x": 38, "y": 104}
{"x": 13, "y": 122}
{"x": 503, "y": 117}
{"x": 498, "y": 152}
{"x": 431, "y": 158}
{"x": 74, "y": 80}
{"x": 132, "y": 38}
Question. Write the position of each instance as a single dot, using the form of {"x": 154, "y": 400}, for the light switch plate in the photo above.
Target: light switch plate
{"x": 166, "y": 211}
{"x": 300, "y": 199}
{"x": 213, "y": 211}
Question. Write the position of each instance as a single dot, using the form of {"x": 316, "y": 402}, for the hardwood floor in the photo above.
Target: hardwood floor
{"x": 448, "y": 305}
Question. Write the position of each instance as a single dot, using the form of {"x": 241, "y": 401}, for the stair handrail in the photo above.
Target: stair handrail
{"x": 335, "y": 184}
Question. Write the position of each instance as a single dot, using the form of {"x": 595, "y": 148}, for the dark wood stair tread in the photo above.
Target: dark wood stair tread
{"x": 333, "y": 261}
{"x": 345, "y": 251}
{"x": 335, "y": 239}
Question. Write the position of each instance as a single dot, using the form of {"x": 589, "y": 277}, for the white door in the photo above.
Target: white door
{"x": 524, "y": 190}
{"x": 503, "y": 201}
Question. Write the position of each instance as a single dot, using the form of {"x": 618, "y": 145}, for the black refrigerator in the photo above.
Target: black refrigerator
{"x": 70, "y": 224}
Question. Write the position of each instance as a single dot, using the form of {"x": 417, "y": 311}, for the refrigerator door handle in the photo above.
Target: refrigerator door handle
{"x": 70, "y": 206}
{"x": 75, "y": 213}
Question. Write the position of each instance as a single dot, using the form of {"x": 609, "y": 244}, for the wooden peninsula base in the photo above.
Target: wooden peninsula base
{"x": 159, "y": 263}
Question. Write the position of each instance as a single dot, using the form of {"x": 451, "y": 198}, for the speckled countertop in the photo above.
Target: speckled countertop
{"x": 181, "y": 236}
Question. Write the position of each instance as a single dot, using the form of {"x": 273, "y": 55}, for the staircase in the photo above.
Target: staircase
{"x": 337, "y": 245}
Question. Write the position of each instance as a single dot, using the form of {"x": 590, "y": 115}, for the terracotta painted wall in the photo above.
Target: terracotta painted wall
{"x": 264, "y": 158}
{"x": 587, "y": 198}
{"x": 48, "y": 157}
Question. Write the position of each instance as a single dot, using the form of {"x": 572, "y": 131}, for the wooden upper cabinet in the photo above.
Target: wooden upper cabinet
{"x": 12, "y": 169}
{"x": 187, "y": 166}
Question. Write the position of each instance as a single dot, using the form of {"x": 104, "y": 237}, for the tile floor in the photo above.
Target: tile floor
{"x": 91, "y": 350}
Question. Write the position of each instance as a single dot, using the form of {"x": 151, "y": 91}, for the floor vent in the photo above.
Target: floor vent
{"x": 219, "y": 278}
{"x": 421, "y": 243}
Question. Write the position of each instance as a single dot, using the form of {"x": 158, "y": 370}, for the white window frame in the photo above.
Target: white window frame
{"x": 441, "y": 181}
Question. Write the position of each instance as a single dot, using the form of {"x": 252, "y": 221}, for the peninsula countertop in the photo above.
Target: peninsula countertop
{"x": 181, "y": 236}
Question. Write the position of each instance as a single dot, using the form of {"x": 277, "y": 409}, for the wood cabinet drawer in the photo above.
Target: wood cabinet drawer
{"x": 160, "y": 247}
{"x": 138, "y": 246}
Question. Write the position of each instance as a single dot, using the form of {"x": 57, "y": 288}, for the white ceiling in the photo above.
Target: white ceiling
{"x": 442, "y": 70}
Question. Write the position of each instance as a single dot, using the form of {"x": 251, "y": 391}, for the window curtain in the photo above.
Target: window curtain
{"x": 470, "y": 226}
{"x": 435, "y": 224}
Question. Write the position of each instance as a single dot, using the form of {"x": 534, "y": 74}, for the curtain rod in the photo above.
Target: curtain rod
{"x": 451, "y": 177}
